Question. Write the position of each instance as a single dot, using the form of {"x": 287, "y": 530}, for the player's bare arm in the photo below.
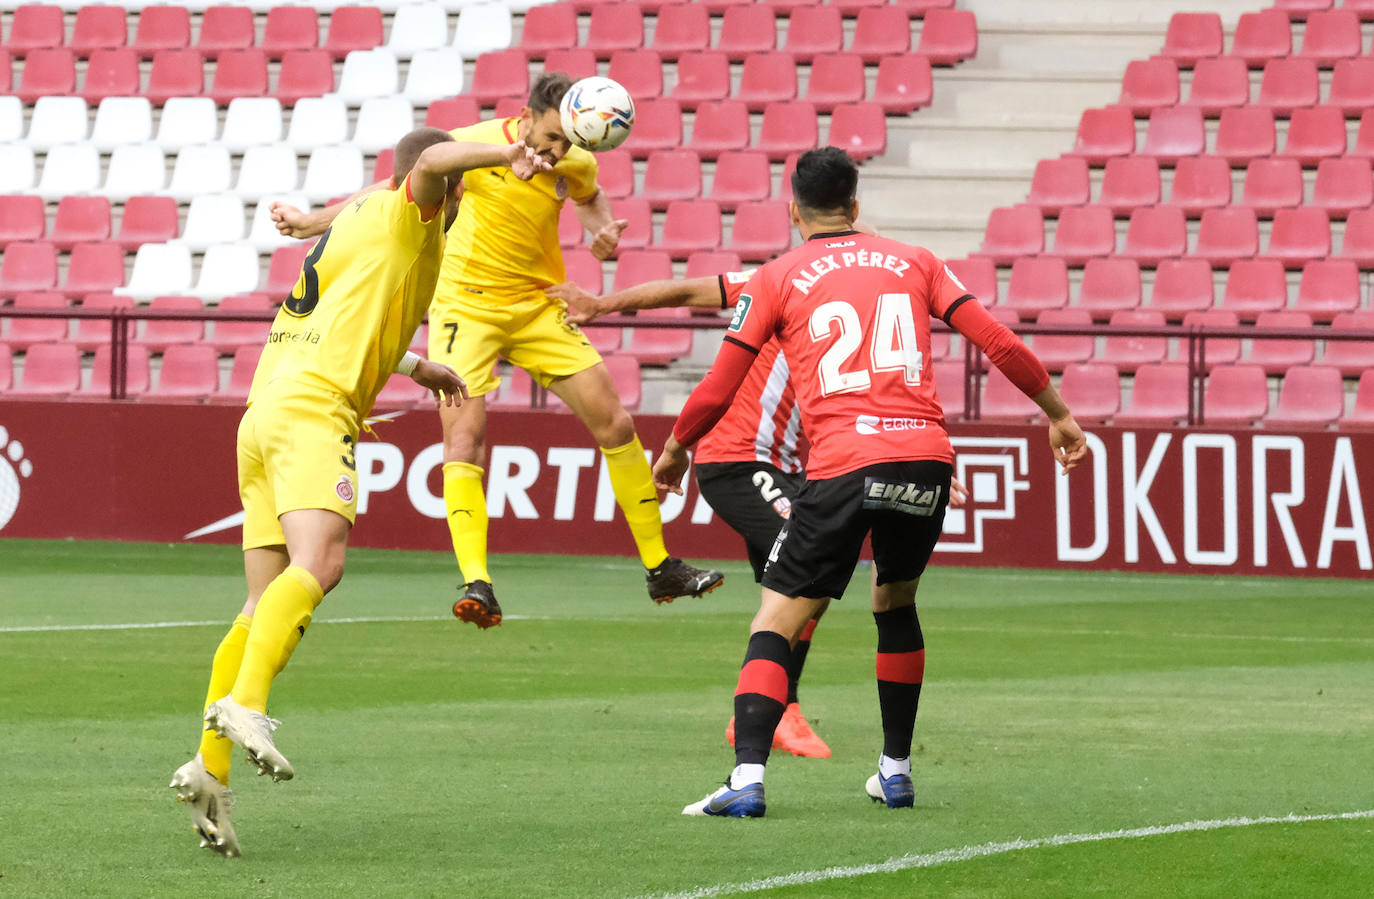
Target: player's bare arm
{"x": 292, "y": 222}
{"x": 595, "y": 215}
{"x": 448, "y": 388}
{"x": 439, "y": 166}
{"x": 670, "y": 467}
{"x": 1066, "y": 437}
{"x": 584, "y": 307}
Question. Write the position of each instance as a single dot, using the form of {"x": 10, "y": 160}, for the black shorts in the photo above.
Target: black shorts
{"x": 754, "y": 498}
{"x": 901, "y": 503}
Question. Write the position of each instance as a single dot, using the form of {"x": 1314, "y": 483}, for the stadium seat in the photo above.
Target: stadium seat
{"x": 681, "y": 28}
{"x": 860, "y": 129}
{"x": 290, "y": 28}
{"x": 228, "y": 269}
{"x": 1299, "y": 235}
{"x": 1310, "y": 396}
{"x": 137, "y": 373}
{"x": 241, "y": 372}
{"x": 1300, "y": 9}
{"x": 950, "y": 387}
{"x": 1084, "y": 232}
{"x": 1109, "y": 286}
{"x": 160, "y": 269}
{"x": 1363, "y": 8}
{"x": 660, "y": 346}
{"x": 416, "y": 27}
{"x": 187, "y": 121}
{"x": 70, "y": 169}
{"x": 1352, "y": 86}
{"x": 1129, "y": 352}
{"x": 1277, "y": 355}
{"x": 571, "y": 232}
{"x": 615, "y": 173}
{"x": 1056, "y": 351}
{"x": 6, "y": 369}
{"x": 1173, "y": 133}
{"x": 638, "y": 266}
{"x": 135, "y": 169}
{"x": 95, "y": 267}
{"x": 903, "y": 84}
{"x": 812, "y": 30}
{"x": 1355, "y": 358}
{"x": 317, "y": 122}
{"x": 1254, "y": 286}
{"x": 450, "y": 113}
{"x": 51, "y": 371}
{"x": 789, "y": 166}
{"x": 158, "y": 334}
{"x": 761, "y": 230}
{"x": 374, "y": 73}
{"x": 579, "y": 63}
{"x": 47, "y": 73}
{"x": 1060, "y": 182}
{"x": 110, "y": 73}
{"x": 625, "y": 375}
{"x": 284, "y": 269}
{"x": 1271, "y": 185}
{"x": 1245, "y": 133}
{"x": 548, "y": 27}
{"x": 1104, "y": 133}
{"x": 791, "y": 127}
{"x": 98, "y": 28}
{"x": 1130, "y": 181}
{"x": 1182, "y": 286}
{"x": 1331, "y": 35}
{"x": 162, "y": 28}
{"x": 24, "y": 332}
{"x": 504, "y": 73}
{"x": 92, "y": 333}
{"x": 614, "y": 26}
{"x": 482, "y": 28}
{"x": 11, "y": 109}
{"x": 353, "y": 28}
{"x": 880, "y": 32}
{"x": 57, "y": 120}
{"x": 199, "y": 170}
{"x": 251, "y": 121}
{"x": 741, "y": 176}
{"x": 122, "y": 120}
{"x": 1315, "y": 134}
{"x": 1092, "y": 390}
{"x": 709, "y": 263}
{"x": 382, "y": 121}
{"x": 1225, "y": 235}
{"x": 1155, "y": 233}
{"x": 1038, "y": 283}
{"x": 1288, "y": 84}
{"x": 1013, "y": 232}
{"x": 1328, "y": 288}
{"x": 1004, "y": 403}
{"x": 1261, "y": 37}
{"x": 1149, "y": 84}
{"x": 190, "y": 371}
{"x": 1159, "y": 396}
{"x": 1219, "y": 84}
{"x": 263, "y": 233}
{"x": 701, "y": 77}
{"x": 226, "y": 28}
{"x": 212, "y": 219}
{"x": 1218, "y": 350}
{"x": 948, "y": 36}
{"x": 978, "y": 276}
{"x": 400, "y": 392}
{"x": 36, "y": 27}
{"x": 28, "y": 266}
{"x": 585, "y": 270}
{"x": 148, "y": 219}
{"x": 1193, "y": 36}
{"x": 175, "y": 73}
{"x": 671, "y": 175}
{"x": 722, "y": 125}
{"x": 335, "y": 171}
{"x": 658, "y": 126}
{"x": 24, "y": 218}
{"x": 690, "y": 225}
{"x": 745, "y": 30}
{"x": 1235, "y": 396}
{"x": 765, "y": 78}
{"x": 639, "y": 71}
{"x": 1358, "y": 243}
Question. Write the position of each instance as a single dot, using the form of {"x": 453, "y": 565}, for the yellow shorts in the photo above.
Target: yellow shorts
{"x": 295, "y": 451}
{"x": 528, "y": 330}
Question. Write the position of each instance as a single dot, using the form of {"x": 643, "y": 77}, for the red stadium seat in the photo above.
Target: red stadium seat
{"x": 880, "y": 32}
{"x": 789, "y": 127}
{"x": 1182, "y": 286}
{"x": 110, "y": 73}
{"x": 400, "y": 392}
{"x": 919, "y": 8}
{"x": 23, "y": 218}
{"x": 1225, "y": 235}
{"x": 241, "y": 373}
{"x": 47, "y": 73}
{"x": 51, "y": 370}
{"x": 1235, "y": 396}
{"x": 1012, "y": 232}
{"x": 761, "y": 230}
{"x": 1300, "y": 9}
{"x": 1331, "y": 35}
{"x": 28, "y": 265}
{"x": 1060, "y": 182}
{"x": 1084, "y": 232}
{"x": 1299, "y": 235}
{"x": 584, "y": 270}
{"x": 1262, "y": 36}
{"x": 1254, "y": 286}
{"x": 1059, "y": 350}
{"x": 137, "y": 373}
{"x": 453, "y": 112}
{"x": 1003, "y": 401}
{"x": 94, "y": 268}
{"x": 1038, "y": 283}
{"x": 785, "y": 8}
{"x": 1219, "y": 350}
{"x": 903, "y": 84}
{"x": 1315, "y": 134}
{"x": 1201, "y": 183}
{"x": 1363, "y": 8}
{"x": 1358, "y": 244}
{"x": 239, "y": 73}
{"x": 1104, "y": 133}
{"x": 158, "y": 335}
{"x": 517, "y": 388}
{"x": 148, "y": 220}
{"x": 701, "y": 77}
{"x": 1130, "y": 352}
{"x": 175, "y": 73}
{"x": 1271, "y": 185}
{"x": 625, "y": 375}
{"x": 747, "y": 29}
{"x": 671, "y": 175}
{"x": 639, "y": 233}
{"x": 1193, "y": 36}
{"x": 708, "y": 263}
{"x": 741, "y": 176}
{"x": 570, "y": 230}
{"x": 615, "y": 173}
{"x": 978, "y": 276}
{"x": 94, "y": 332}
{"x": 189, "y": 372}
{"x": 789, "y": 166}
{"x": 1277, "y": 355}
{"x": 690, "y": 225}
{"x": 719, "y": 126}
{"x": 24, "y": 332}
{"x": 104, "y": 28}
{"x": 1156, "y": 233}
{"x": 162, "y": 28}
{"x": 948, "y": 36}
{"x": 1328, "y": 288}
{"x": 1244, "y": 134}
{"x": 813, "y": 30}
{"x": 1219, "y": 84}
{"x": 1131, "y": 181}
{"x": 285, "y": 268}
{"x": 290, "y": 28}
{"x": 1092, "y": 390}
{"x": 305, "y": 73}
{"x": 660, "y": 346}
{"x": 1352, "y": 86}
{"x": 548, "y": 27}
{"x": 229, "y": 336}
{"x": 767, "y": 78}
{"x": 1173, "y": 133}
{"x": 1355, "y": 358}
{"x": 500, "y": 73}
{"x": 681, "y": 28}
{"x": 1311, "y": 396}
{"x": 226, "y": 28}
{"x": 639, "y": 71}
{"x": 860, "y": 129}
{"x": 614, "y": 26}
{"x": 1149, "y": 84}
{"x": 578, "y": 62}
{"x": 36, "y": 27}
{"x": 1159, "y": 396}
{"x": 360, "y": 28}
{"x": 1109, "y": 286}
{"x": 1289, "y": 84}
{"x": 950, "y": 387}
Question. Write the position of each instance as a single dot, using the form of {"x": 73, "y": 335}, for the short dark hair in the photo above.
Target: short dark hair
{"x": 548, "y": 91}
{"x": 825, "y": 180}
{"x": 409, "y": 148}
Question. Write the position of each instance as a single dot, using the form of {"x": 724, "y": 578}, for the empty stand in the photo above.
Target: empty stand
{"x": 1109, "y": 286}
{"x": 1277, "y": 355}
{"x": 1061, "y": 182}
{"x": 1059, "y": 350}
{"x": 761, "y": 230}
{"x": 860, "y": 129}
{"x": 723, "y": 125}
{"x": 1218, "y": 350}
{"x": 1219, "y": 84}
{"x": 1355, "y": 358}
{"x": 1331, "y": 35}
{"x": 1245, "y": 133}
{"x": 1310, "y": 396}
{"x": 1037, "y": 284}
{"x": 137, "y": 373}
{"x": 93, "y": 333}
{"x": 1271, "y": 185}
{"x": 156, "y": 335}
{"x": 148, "y": 220}
{"x": 1084, "y": 232}
{"x": 1149, "y": 84}
{"x": 690, "y": 225}
{"x": 1254, "y": 286}
{"x": 701, "y": 76}
{"x": 1225, "y": 235}
{"x": 1105, "y": 133}
{"x": 812, "y": 30}
{"x": 1182, "y": 286}
{"x": 1131, "y": 181}
{"x": 671, "y": 175}
{"x": 1193, "y": 36}
{"x": 1130, "y": 352}
{"x": 741, "y": 176}
{"x": 1003, "y": 401}
{"x": 188, "y": 372}
{"x": 903, "y": 84}
{"x": 745, "y": 30}
{"x": 1174, "y": 132}
{"x": 1315, "y": 134}
{"x": 290, "y": 28}
{"x": 22, "y": 218}
{"x": 1159, "y": 395}
{"x": 94, "y": 268}
{"x": 24, "y": 332}
{"x": 614, "y": 26}
{"x": 765, "y": 78}
{"x": 1261, "y": 37}
{"x": 1155, "y": 233}
{"x": 162, "y": 28}
{"x": 28, "y": 265}
{"x": 1235, "y": 395}
{"x": 1012, "y": 232}
{"x": 1328, "y": 288}
{"x": 51, "y": 370}
{"x": 948, "y": 36}
{"x": 1092, "y": 389}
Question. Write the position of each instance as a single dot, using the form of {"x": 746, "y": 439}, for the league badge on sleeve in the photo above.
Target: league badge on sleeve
{"x": 741, "y": 312}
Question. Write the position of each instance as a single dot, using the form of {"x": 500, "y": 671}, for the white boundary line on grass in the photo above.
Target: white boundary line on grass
{"x": 968, "y": 853}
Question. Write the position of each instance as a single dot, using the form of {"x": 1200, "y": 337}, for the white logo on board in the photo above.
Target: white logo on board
{"x": 13, "y": 467}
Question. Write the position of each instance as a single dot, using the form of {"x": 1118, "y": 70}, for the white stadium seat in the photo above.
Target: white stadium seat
{"x": 11, "y": 119}
{"x": 382, "y": 121}
{"x": 160, "y": 269}
{"x": 186, "y": 122}
{"x": 122, "y": 120}
{"x": 434, "y": 75}
{"x": 482, "y": 27}
{"x": 57, "y": 120}
{"x": 251, "y": 122}
{"x": 213, "y": 219}
{"x": 318, "y": 122}
{"x": 368, "y": 73}
{"x": 228, "y": 269}
{"x": 333, "y": 172}
{"x": 266, "y": 170}
{"x": 525, "y": 5}
{"x": 70, "y": 169}
{"x": 135, "y": 170}
{"x": 17, "y": 170}
{"x": 417, "y": 26}
{"x": 200, "y": 169}
{"x": 263, "y": 234}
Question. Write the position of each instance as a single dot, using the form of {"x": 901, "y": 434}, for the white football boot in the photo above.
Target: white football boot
{"x": 209, "y": 802}
{"x": 251, "y": 730}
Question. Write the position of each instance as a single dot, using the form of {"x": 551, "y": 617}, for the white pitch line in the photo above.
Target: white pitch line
{"x": 153, "y": 625}
{"x": 983, "y": 850}
{"x": 1083, "y": 632}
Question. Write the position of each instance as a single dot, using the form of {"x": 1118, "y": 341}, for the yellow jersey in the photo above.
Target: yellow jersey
{"x": 362, "y": 292}
{"x": 506, "y": 236}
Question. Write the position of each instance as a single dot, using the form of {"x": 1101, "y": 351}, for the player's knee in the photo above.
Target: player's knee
{"x": 616, "y": 429}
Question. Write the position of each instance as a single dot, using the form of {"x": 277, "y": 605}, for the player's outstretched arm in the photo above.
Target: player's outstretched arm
{"x": 442, "y": 163}
{"x": 583, "y": 307}
{"x": 595, "y": 215}
{"x": 292, "y": 222}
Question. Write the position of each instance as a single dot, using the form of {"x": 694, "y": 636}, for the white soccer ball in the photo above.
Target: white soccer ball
{"x": 597, "y": 114}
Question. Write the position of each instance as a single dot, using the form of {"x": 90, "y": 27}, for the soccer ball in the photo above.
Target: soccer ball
{"x": 597, "y": 114}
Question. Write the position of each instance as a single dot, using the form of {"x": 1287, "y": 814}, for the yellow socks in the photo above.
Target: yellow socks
{"x": 633, "y": 484}
{"x": 280, "y": 621}
{"x": 466, "y": 506}
{"x": 214, "y": 749}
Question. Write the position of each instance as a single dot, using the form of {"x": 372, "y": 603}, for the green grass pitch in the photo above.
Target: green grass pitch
{"x": 550, "y": 757}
